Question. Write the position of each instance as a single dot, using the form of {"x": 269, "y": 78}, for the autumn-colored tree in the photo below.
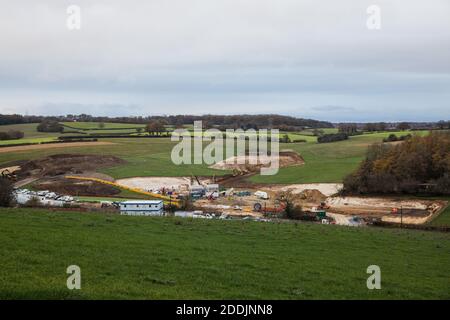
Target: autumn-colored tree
{"x": 155, "y": 127}
{"x": 403, "y": 126}
{"x": 404, "y": 168}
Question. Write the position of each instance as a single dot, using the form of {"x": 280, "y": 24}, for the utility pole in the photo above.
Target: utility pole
{"x": 401, "y": 216}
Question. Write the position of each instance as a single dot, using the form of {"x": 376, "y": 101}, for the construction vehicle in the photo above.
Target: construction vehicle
{"x": 258, "y": 207}
{"x": 320, "y": 211}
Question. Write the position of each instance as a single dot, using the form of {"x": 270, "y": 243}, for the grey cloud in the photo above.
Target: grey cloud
{"x": 333, "y": 108}
{"x": 287, "y": 56}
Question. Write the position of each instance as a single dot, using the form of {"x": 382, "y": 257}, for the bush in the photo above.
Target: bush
{"x": 332, "y": 137}
{"x": 285, "y": 139}
{"x": 6, "y": 192}
{"x": 33, "y": 203}
{"x": 11, "y": 135}
{"x": 50, "y": 126}
{"x": 392, "y": 137}
{"x": 294, "y": 212}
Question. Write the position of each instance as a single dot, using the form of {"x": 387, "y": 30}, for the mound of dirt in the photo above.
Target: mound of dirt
{"x": 76, "y": 188}
{"x": 312, "y": 195}
{"x": 252, "y": 163}
{"x": 60, "y": 164}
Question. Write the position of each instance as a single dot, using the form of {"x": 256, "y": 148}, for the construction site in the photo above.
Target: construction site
{"x": 67, "y": 180}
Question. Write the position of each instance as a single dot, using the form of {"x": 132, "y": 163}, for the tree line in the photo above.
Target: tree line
{"x": 332, "y": 137}
{"x": 417, "y": 165}
{"x": 50, "y": 126}
{"x": 231, "y": 121}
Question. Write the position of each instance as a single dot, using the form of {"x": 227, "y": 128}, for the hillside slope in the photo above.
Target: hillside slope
{"x": 154, "y": 258}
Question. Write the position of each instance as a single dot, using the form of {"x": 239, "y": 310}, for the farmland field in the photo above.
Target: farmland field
{"x": 31, "y": 135}
{"x": 29, "y": 130}
{"x": 328, "y": 162}
{"x": 167, "y": 258}
{"x": 145, "y": 157}
{"x": 27, "y": 141}
{"x": 96, "y": 125}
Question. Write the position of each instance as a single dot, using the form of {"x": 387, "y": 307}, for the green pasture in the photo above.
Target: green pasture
{"x": 124, "y": 257}
{"x": 327, "y": 162}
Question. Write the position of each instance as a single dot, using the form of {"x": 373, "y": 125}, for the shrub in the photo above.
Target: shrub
{"x": 6, "y": 192}
{"x": 285, "y": 139}
{"x": 332, "y": 137}
{"x": 392, "y": 137}
{"x": 11, "y": 135}
{"x": 33, "y": 202}
{"x": 50, "y": 126}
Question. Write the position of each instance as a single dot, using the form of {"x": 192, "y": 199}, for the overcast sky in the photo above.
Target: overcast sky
{"x": 305, "y": 58}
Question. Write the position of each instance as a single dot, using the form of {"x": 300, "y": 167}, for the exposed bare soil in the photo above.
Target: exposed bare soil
{"x": 414, "y": 211}
{"x": 60, "y": 164}
{"x": 53, "y": 145}
{"x": 327, "y": 189}
{"x": 252, "y": 163}
{"x": 76, "y": 188}
{"x": 48, "y": 174}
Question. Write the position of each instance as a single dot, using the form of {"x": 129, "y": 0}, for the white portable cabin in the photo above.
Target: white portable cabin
{"x": 142, "y": 208}
{"x": 262, "y": 195}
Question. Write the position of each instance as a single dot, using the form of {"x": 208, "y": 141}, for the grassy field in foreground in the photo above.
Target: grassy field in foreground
{"x": 168, "y": 258}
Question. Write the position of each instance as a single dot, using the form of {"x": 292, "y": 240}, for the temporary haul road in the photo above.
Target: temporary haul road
{"x": 53, "y": 145}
